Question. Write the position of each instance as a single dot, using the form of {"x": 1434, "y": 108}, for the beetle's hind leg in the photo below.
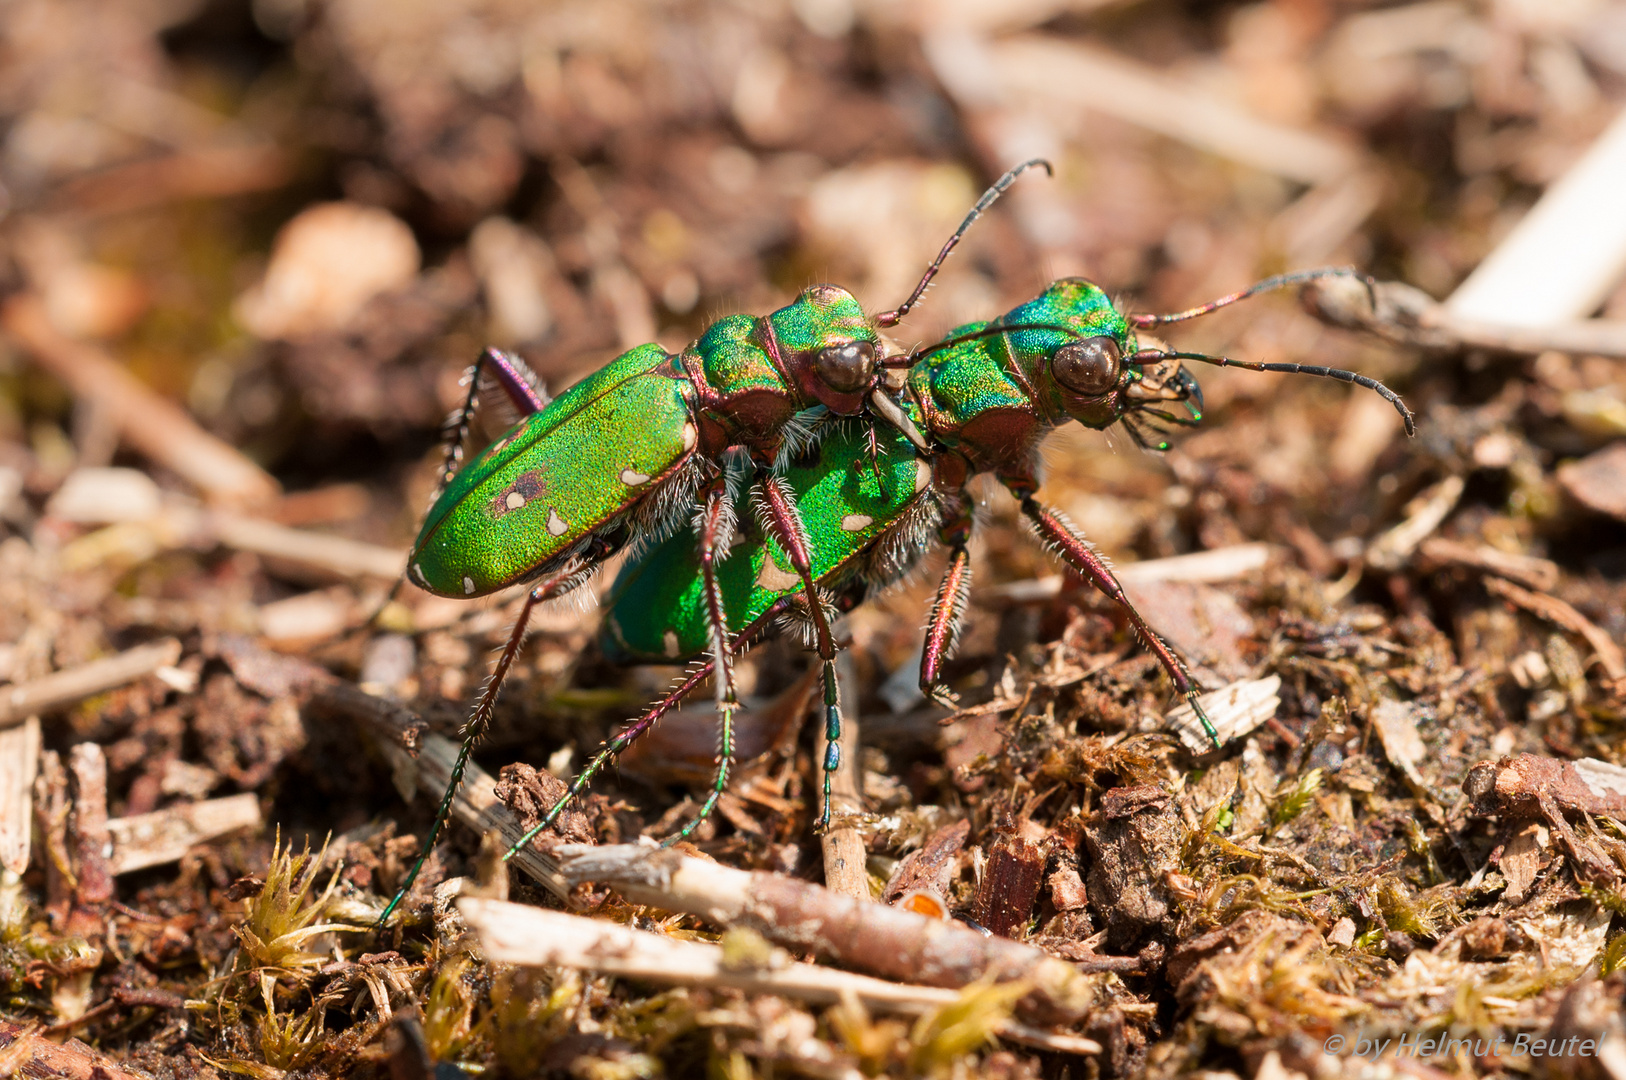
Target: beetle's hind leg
{"x": 480, "y": 720}
{"x": 1065, "y": 540}
{"x": 630, "y": 734}
{"x": 781, "y": 518}
{"x": 714, "y": 526}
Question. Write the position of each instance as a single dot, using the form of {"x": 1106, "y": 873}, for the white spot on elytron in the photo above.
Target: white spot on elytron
{"x": 856, "y": 522}
{"x": 773, "y": 579}
{"x": 632, "y": 477}
{"x": 689, "y": 436}
{"x": 417, "y": 572}
{"x": 670, "y": 641}
{"x": 468, "y": 586}
{"x": 514, "y": 501}
{"x": 923, "y": 474}
{"x": 556, "y": 524}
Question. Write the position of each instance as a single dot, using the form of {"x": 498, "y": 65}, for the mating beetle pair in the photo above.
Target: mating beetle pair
{"x": 626, "y": 455}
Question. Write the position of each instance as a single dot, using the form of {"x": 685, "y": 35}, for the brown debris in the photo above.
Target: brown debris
{"x": 1010, "y": 885}
{"x": 1519, "y": 785}
{"x": 1556, "y": 611}
{"x": 32, "y": 1055}
{"x": 1598, "y": 481}
{"x": 529, "y": 794}
{"x": 1133, "y": 842}
{"x": 1528, "y": 785}
{"x": 930, "y": 866}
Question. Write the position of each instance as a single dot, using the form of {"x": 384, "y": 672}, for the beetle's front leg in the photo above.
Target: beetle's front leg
{"x": 1067, "y": 542}
{"x": 785, "y": 522}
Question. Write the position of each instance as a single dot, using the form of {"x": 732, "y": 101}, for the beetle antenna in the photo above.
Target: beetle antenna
{"x": 1303, "y": 369}
{"x": 1270, "y": 284}
{"x": 895, "y": 316}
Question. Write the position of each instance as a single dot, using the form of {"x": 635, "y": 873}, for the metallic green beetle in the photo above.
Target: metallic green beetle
{"x": 638, "y": 447}
{"x": 987, "y": 396}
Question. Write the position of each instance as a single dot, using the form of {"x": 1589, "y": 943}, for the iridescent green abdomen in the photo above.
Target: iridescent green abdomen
{"x": 656, "y": 609}
{"x": 558, "y": 476}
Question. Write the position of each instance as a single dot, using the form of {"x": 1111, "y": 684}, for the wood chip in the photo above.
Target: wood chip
{"x": 19, "y": 763}
{"x": 1236, "y": 710}
{"x": 1010, "y": 885}
{"x": 163, "y": 836}
{"x": 929, "y": 867}
{"x": 1067, "y": 889}
{"x": 34, "y": 1056}
{"x": 1516, "y": 784}
{"x": 1396, "y": 725}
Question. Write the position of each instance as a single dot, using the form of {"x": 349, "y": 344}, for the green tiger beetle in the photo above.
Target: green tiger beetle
{"x": 987, "y": 396}
{"x": 646, "y": 442}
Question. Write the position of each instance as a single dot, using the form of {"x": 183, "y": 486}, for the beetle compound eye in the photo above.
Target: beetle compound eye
{"x": 1087, "y": 367}
{"x": 847, "y": 368}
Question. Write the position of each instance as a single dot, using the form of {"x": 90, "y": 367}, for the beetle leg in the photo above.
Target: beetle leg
{"x": 635, "y": 730}
{"x": 1078, "y": 553}
{"x": 714, "y": 523}
{"x": 480, "y": 720}
{"x": 719, "y": 779}
{"x": 785, "y": 522}
{"x": 944, "y": 625}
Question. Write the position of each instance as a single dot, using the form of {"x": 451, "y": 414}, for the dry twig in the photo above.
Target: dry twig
{"x": 882, "y": 940}
{"x": 75, "y": 684}
{"x": 1407, "y": 315}
{"x": 842, "y": 846}
{"x": 476, "y": 805}
{"x": 520, "y": 934}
